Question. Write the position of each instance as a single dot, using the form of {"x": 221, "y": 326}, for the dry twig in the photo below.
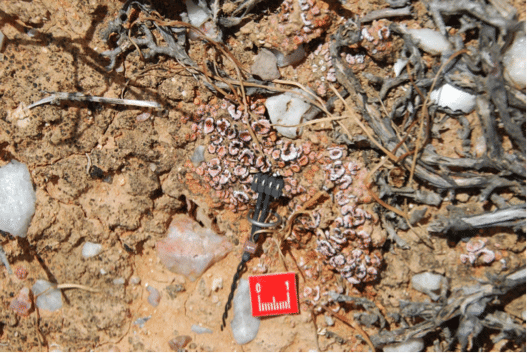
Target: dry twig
{"x": 351, "y": 324}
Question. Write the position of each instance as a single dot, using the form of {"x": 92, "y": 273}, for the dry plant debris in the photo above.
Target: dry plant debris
{"x": 391, "y": 176}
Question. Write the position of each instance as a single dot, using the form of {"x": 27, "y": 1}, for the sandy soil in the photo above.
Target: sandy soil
{"x": 103, "y": 176}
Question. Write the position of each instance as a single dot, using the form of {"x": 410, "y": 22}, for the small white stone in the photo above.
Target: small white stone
{"x": 399, "y": 66}
{"x": 50, "y": 300}
{"x": 411, "y": 345}
{"x": 17, "y": 199}
{"x": 244, "y": 325}
{"x": 143, "y": 116}
{"x": 287, "y": 109}
{"x": 329, "y": 320}
{"x": 135, "y": 280}
{"x": 32, "y": 32}
{"x": 448, "y": 96}
{"x": 190, "y": 249}
{"x": 514, "y": 62}
{"x": 432, "y": 42}
{"x": 200, "y": 330}
{"x": 217, "y": 283}
{"x": 426, "y": 280}
{"x": 196, "y": 14}
{"x": 118, "y": 281}
{"x": 91, "y": 249}
{"x": 429, "y": 283}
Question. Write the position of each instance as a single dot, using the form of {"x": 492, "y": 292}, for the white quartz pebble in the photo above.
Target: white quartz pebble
{"x": 17, "y": 199}
{"x": 399, "y": 66}
{"x": 200, "y": 330}
{"x": 197, "y": 15}
{"x": 47, "y": 297}
{"x": 411, "y": 345}
{"x": 190, "y": 249}
{"x": 287, "y": 109}
{"x": 432, "y": 42}
{"x": 429, "y": 283}
{"x": 448, "y": 96}
{"x": 244, "y": 325}
{"x": 91, "y": 249}
{"x": 514, "y": 62}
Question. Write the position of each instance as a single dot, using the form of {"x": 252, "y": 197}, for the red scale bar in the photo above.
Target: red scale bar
{"x": 273, "y": 294}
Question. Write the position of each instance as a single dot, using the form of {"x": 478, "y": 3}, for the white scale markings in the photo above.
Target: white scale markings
{"x": 270, "y": 306}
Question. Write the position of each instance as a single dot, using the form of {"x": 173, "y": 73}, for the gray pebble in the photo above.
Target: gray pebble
{"x": 198, "y": 155}
{"x": 142, "y": 321}
{"x": 135, "y": 280}
{"x": 329, "y": 320}
{"x": 203, "y": 289}
{"x": 200, "y": 330}
{"x": 265, "y": 65}
{"x": 118, "y": 281}
{"x": 417, "y": 214}
{"x": 155, "y": 297}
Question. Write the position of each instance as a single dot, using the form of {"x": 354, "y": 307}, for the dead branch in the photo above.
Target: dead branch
{"x": 513, "y": 216}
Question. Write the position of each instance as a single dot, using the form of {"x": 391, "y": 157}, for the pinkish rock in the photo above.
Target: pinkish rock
{"x": 155, "y": 297}
{"x": 190, "y": 249}
{"x": 22, "y": 303}
{"x": 178, "y": 343}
